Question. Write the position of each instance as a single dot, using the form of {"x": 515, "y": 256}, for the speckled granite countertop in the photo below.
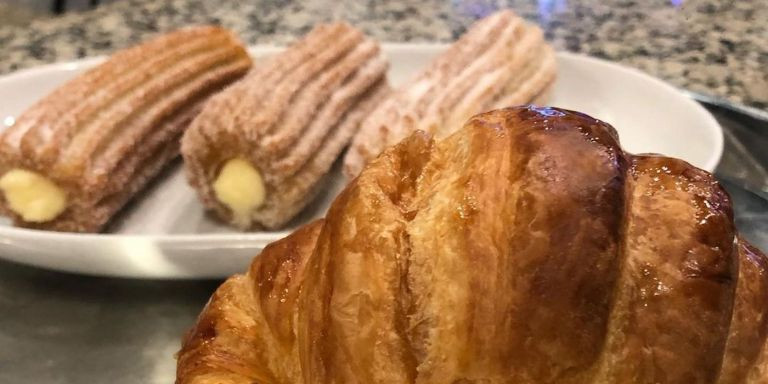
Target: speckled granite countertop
{"x": 717, "y": 47}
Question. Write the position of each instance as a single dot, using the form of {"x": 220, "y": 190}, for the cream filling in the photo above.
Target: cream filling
{"x": 32, "y": 196}
{"x": 240, "y": 187}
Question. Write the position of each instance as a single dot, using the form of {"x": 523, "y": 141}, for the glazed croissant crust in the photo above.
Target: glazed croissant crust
{"x": 525, "y": 248}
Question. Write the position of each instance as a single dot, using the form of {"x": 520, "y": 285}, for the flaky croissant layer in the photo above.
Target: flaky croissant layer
{"x": 525, "y": 248}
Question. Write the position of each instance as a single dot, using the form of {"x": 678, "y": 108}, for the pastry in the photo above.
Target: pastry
{"x": 525, "y": 248}
{"x": 258, "y": 151}
{"x": 500, "y": 61}
{"x": 73, "y": 159}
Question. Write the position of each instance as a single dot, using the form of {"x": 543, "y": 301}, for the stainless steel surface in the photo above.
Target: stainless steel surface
{"x": 743, "y": 169}
{"x": 60, "y": 328}
{"x": 745, "y": 156}
{"x": 718, "y": 103}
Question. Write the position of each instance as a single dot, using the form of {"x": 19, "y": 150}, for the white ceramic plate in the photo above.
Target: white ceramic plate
{"x": 166, "y": 234}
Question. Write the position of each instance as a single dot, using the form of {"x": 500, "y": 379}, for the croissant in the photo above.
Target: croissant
{"x": 525, "y": 248}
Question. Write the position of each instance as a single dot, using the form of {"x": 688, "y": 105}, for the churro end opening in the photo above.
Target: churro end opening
{"x": 32, "y": 196}
{"x": 240, "y": 187}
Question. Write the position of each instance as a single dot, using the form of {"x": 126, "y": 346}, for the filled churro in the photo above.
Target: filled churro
{"x": 500, "y": 61}
{"x": 77, "y": 156}
{"x": 258, "y": 151}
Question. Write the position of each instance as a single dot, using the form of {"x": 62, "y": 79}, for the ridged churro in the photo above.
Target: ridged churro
{"x": 501, "y": 61}
{"x": 77, "y": 156}
{"x": 258, "y": 151}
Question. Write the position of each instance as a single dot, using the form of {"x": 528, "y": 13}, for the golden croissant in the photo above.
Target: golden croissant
{"x": 525, "y": 248}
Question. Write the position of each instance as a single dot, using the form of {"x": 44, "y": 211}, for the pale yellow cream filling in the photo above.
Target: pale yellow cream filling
{"x": 32, "y": 196}
{"x": 240, "y": 187}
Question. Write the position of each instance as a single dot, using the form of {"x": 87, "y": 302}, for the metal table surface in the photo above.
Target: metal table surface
{"x": 62, "y": 328}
